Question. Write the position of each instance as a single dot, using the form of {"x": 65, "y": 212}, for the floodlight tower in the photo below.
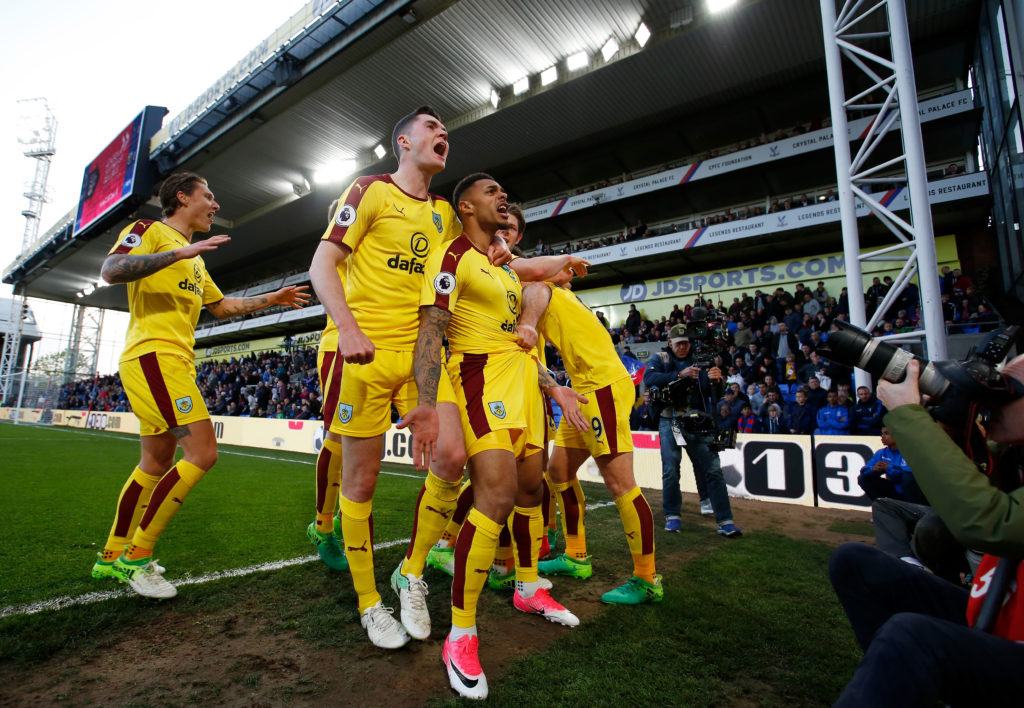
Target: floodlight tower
{"x": 874, "y": 39}
{"x": 38, "y": 135}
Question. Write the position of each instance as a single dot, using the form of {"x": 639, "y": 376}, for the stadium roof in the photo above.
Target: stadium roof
{"x": 340, "y": 86}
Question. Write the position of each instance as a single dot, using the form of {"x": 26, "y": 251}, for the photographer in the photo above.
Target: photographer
{"x": 672, "y": 364}
{"x": 917, "y": 630}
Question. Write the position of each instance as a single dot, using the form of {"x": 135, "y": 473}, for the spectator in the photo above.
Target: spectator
{"x": 833, "y": 419}
{"x": 773, "y": 423}
{"x": 887, "y": 474}
{"x": 643, "y": 416}
{"x": 867, "y": 414}
{"x": 747, "y": 422}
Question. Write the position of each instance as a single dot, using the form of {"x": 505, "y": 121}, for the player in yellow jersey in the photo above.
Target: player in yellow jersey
{"x": 167, "y": 287}
{"x": 324, "y": 532}
{"x": 598, "y": 374}
{"x": 384, "y": 229}
{"x": 555, "y": 268}
{"x": 477, "y": 306}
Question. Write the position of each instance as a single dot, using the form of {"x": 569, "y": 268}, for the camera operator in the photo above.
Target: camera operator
{"x": 675, "y": 363}
{"x": 918, "y": 631}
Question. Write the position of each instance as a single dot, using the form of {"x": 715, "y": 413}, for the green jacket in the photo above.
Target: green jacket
{"x": 978, "y": 514}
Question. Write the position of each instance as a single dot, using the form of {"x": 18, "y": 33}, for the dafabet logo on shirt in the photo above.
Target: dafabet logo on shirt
{"x": 420, "y": 247}
{"x": 197, "y": 275}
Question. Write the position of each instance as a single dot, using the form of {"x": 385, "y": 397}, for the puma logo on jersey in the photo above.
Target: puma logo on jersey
{"x": 631, "y": 535}
{"x": 444, "y": 514}
{"x": 359, "y": 548}
{"x": 478, "y": 570}
{"x": 400, "y": 211}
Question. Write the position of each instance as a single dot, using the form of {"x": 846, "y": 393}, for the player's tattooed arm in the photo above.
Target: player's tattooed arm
{"x": 422, "y": 419}
{"x": 567, "y": 399}
{"x": 290, "y": 296}
{"x": 125, "y": 267}
{"x": 536, "y": 297}
{"x": 427, "y": 359}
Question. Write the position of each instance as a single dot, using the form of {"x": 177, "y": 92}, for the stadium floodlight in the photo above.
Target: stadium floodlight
{"x": 379, "y": 151}
{"x": 521, "y": 86}
{"x": 609, "y": 48}
{"x": 720, "y": 5}
{"x": 549, "y": 75}
{"x": 577, "y": 61}
{"x": 494, "y": 98}
{"x": 641, "y": 35}
{"x": 335, "y": 172}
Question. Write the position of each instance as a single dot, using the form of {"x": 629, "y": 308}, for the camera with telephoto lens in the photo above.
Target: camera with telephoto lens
{"x": 955, "y": 388}
{"x": 709, "y": 336}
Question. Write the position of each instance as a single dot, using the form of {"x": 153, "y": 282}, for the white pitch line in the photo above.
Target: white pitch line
{"x": 220, "y": 451}
{"x": 59, "y": 603}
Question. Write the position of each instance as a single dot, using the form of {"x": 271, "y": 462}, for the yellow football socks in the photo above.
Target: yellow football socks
{"x": 474, "y": 551}
{"x": 131, "y": 505}
{"x": 357, "y": 530}
{"x": 527, "y": 525}
{"x": 168, "y": 496}
{"x": 638, "y": 523}
{"x": 573, "y": 504}
{"x": 462, "y": 507}
{"x": 328, "y": 485}
{"x": 433, "y": 510}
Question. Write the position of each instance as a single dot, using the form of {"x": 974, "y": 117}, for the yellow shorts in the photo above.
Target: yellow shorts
{"x": 367, "y": 391}
{"x": 499, "y": 402}
{"x": 163, "y": 393}
{"x": 608, "y": 411}
{"x": 328, "y": 366}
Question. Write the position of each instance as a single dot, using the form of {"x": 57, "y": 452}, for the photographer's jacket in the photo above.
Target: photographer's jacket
{"x": 978, "y": 514}
{"x": 663, "y": 369}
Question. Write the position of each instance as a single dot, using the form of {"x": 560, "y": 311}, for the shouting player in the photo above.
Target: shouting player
{"x": 167, "y": 287}
{"x": 367, "y": 272}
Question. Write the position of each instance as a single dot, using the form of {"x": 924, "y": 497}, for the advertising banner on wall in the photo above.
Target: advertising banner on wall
{"x": 939, "y": 191}
{"x": 928, "y": 110}
{"x": 778, "y": 468}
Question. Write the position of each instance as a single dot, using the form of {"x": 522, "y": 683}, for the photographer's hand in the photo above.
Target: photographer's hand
{"x": 690, "y": 372}
{"x": 906, "y": 393}
{"x": 715, "y": 374}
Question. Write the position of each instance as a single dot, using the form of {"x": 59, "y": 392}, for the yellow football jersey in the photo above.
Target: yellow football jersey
{"x": 484, "y": 301}
{"x": 391, "y": 234}
{"x": 586, "y": 347}
{"x": 164, "y": 306}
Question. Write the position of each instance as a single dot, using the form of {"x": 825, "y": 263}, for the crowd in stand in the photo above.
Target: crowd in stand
{"x": 773, "y": 364}
{"x": 266, "y": 385}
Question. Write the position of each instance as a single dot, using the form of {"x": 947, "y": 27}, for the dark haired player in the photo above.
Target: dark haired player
{"x": 478, "y": 305}
{"x": 167, "y": 287}
{"x": 367, "y": 272}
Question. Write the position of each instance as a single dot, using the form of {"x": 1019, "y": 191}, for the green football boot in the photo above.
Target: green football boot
{"x": 635, "y": 591}
{"x": 102, "y": 568}
{"x": 501, "y": 582}
{"x": 328, "y": 547}
{"x": 442, "y": 558}
{"x": 566, "y": 565}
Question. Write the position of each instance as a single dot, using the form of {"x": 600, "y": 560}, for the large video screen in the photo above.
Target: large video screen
{"x": 110, "y": 178}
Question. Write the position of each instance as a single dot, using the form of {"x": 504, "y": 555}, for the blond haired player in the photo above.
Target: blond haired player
{"x": 167, "y": 287}
{"x": 385, "y": 228}
{"x": 477, "y": 305}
